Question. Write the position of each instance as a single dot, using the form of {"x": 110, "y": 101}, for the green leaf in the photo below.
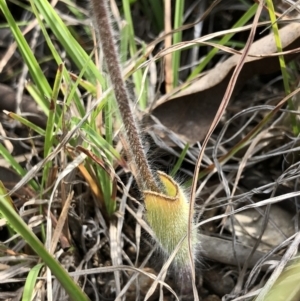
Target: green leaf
{"x": 30, "y": 282}
{"x": 16, "y": 222}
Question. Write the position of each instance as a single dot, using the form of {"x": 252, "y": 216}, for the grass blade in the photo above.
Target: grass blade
{"x": 138, "y": 75}
{"x": 242, "y": 21}
{"x": 30, "y": 282}
{"x": 21, "y": 227}
{"x": 179, "y": 10}
{"x": 285, "y": 75}
{"x": 72, "y": 47}
{"x": 31, "y": 62}
{"x": 179, "y": 161}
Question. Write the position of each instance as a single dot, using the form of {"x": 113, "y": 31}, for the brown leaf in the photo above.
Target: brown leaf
{"x": 191, "y": 112}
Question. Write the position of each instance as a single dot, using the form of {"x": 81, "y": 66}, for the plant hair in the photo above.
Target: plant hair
{"x": 148, "y": 181}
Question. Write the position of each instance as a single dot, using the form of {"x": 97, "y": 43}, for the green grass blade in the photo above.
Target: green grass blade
{"x": 106, "y": 187}
{"x": 155, "y": 12}
{"x": 179, "y": 11}
{"x": 52, "y": 112}
{"x": 124, "y": 42}
{"x": 31, "y": 62}
{"x": 72, "y": 47}
{"x": 108, "y": 122}
{"x": 107, "y": 184}
{"x": 138, "y": 75}
{"x": 57, "y": 82}
{"x": 30, "y": 282}
{"x": 73, "y": 96}
{"x": 242, "y": 21}
{"x": 89, "y": 87}
{"x": 179, "y": 161}
{"x": 98, "y": 140}
{"x": 285, "y": 75}
{"x": 39, "y": 98}
{"x": 157, "y": 9}
{"x": 59, "y": 62}
{"x": 48, "y": 142}
{"x": 26, "y": 122}
{"x": 21, "y": 227}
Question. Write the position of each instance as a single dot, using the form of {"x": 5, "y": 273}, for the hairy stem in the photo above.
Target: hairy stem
{"x": 148, "y": 179}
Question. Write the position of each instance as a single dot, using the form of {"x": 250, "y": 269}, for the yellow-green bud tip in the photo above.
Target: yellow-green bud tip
{"x": 168, "y": 216}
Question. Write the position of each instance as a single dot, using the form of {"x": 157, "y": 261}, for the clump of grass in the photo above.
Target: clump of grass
{"x": 97, "y": 173}
{"x": 90, "y": 146}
